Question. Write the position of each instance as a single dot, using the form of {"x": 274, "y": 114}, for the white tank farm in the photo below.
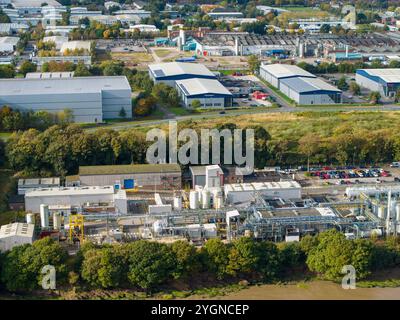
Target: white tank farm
{"x": 193, "y": 200}
{"x": 30, "y": 218}
{"x": 44, "y": 216}
{"x": 56, "y": 221}
{"x": 206, "y": 198}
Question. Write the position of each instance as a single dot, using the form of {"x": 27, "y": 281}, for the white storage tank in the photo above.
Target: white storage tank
{"x": 398, "y": 211}
{"x": 30, "y": 218}
{"x": 381, "y": 212}
{"x": 219, "y": 201}
{"x": 206, "y": 198}
{"x": 44, "y": 216}
{"x": 178, "y": 203}
{"x": 193, "y": 200}
{"x": 56, "y": 221}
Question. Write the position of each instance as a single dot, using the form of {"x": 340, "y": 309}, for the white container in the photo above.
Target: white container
{"x": 381, "y": 212}
{"x": 30, "y": 218}
{"x": 44, "y": 216}
{"x": 193, "y": 200}
{"x": 56, "y": 221}
{"x": 205, "y": 199}
{"x": 178, "y": 203}
{"x": 398, "y": 211}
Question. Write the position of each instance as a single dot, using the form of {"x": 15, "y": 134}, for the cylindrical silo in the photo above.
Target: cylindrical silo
{"x": 193, "y": 200}
{"x": 398, "y": 212}
{"x": 205, "y": 199}
{"x": 56, "y": 221}
{"x": 381, "y": 212}
{"x": 218, "y": 200}
{"x": 178, "y": 203}
{"x": 30, "y": 218}
{"x": 44, "y": 216}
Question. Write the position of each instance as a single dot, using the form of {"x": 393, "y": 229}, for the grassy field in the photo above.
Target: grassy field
{"x": 324, "y": 123}
{"x": 5, "y": 135}
{"x": 162, "y": 53}
{"x": 179, "y": 111}
{"x": 133, "y": 58}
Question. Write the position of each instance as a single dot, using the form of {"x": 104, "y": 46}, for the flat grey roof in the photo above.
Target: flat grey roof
{"x": 177, "y": 68}
{"x": 303, "y": 85}
{"x": 197, "y": 86}
{"x": 286, "y": 70}
{"x": 62, "y": 85}
{"x": 34, "y": 3}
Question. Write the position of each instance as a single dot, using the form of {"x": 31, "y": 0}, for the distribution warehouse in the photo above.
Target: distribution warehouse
{"x": 385, "y": 81}
{"x": 170, "y": 72}
{"x": 300, "y": 85}
{"x": 90, "y": 99}
{"x": 210, "y": 92}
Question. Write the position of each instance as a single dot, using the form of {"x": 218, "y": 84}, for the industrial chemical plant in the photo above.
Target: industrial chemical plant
{"x": 267, "y": 210}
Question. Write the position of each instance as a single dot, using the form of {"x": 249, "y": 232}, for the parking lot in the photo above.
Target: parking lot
{"x": 242, "y": 88}
{"x": 349, "y": 175}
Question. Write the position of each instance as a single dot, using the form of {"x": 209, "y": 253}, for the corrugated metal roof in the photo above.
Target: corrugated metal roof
{"x": 177, "y": 68}
{"x": 286, "y": 70}
{"x": 21, "y": 86}
{"x": 302, "y": 85}
{"x": 391, "y": 75}
{"x": 197, "y": 86}
{"x": 129, "y": 168}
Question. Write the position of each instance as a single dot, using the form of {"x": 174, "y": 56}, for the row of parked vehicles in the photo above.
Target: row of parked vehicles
{"x": 351, "y": 174}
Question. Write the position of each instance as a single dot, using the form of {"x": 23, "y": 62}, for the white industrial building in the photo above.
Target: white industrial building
{"x": 91, "y": 99}
{"x": 15, "y": 234}
{"x": 210, "y": 92}
{"x": 245, "y": 192}
{"x": 170, "y": 72}
{"x": 8, "y": 44}
{"x": 76, "y": 45}
{"x": 300, "y": 85}
{"x": 58, "y": 40}
{"x": 76, "y": 197}
{"x": 310, "y": 91}
{"x": 274, "y": 73}
{"x": 385, "y": 81}
{"x": 49, "y": 75}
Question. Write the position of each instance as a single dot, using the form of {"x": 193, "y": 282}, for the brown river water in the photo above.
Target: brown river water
{"x": 314, "y": 290}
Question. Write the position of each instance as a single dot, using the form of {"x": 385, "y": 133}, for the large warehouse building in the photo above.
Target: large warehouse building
{"x": 93, "y": 196}
{"x": 170, "y": 72}
{"x": 162, "y": 176}
{"x": 210, "y": 92}
{"x": 274, "y": 73}
{"x": 307, "y": 91}
{"x": 385, "y": 81}
{"x": 300, "y": 85}
{"x": 90, "y": 99}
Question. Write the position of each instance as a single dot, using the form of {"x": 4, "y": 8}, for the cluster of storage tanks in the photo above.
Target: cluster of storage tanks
{"x": 45, "y": 216}
{"x": 206, "y": 198}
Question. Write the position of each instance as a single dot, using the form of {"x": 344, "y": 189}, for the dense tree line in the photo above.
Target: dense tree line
{"x": 61, "y": 149}
{"x": 14, "y": 120}
{"x": 150, "y": 265}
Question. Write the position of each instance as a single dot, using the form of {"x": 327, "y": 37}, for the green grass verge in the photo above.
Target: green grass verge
{"x": 5, "y": 135}
{"x": 391, "y": 283}
{"x": 179, "y": 111}
{"x": 278, "y": 92}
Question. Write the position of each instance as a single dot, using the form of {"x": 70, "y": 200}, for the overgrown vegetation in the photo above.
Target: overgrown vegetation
{"x": 152, "y": 266}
